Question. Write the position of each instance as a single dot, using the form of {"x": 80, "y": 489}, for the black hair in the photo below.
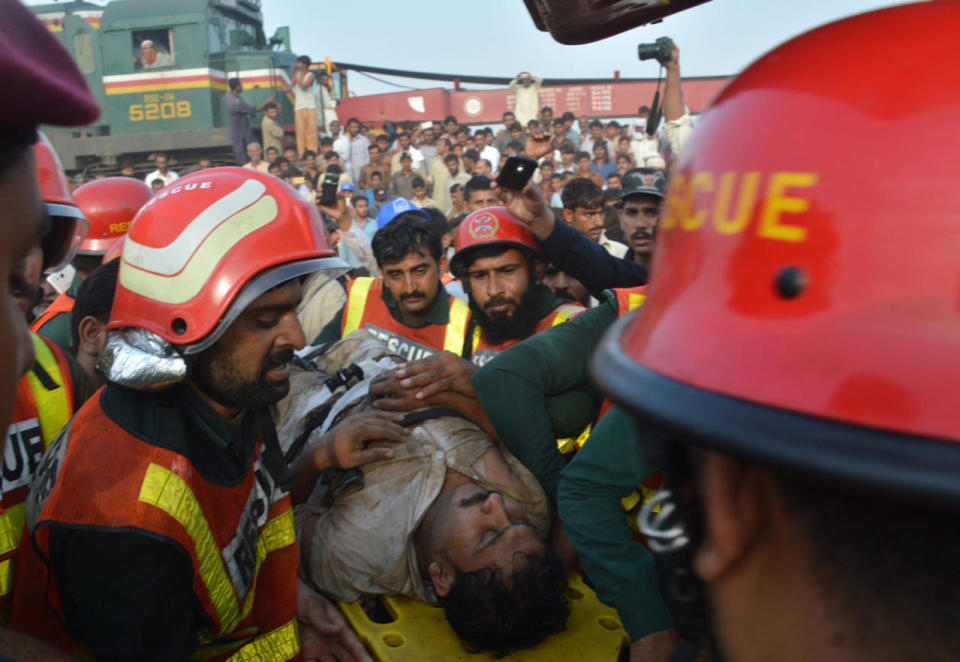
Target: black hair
{"x": 94, "y": 298}
{"x": 334, "y": 168}
{"x": 516, "y": 126}
{"x": 353, "y": 119}
{"x": 156, "y": 180}
{"x": 270, "y": 105}
{"x": 596, "y": 123}
{"x": 233, "y": 83}
{"x": 568, "y": 148}
{"x": 472, "y": 154}
{"x": 327, "y": 140}
{"x": 416, "y": 181}
{"x": 454, "y": 187}
{"x": 568, "y": 116}
{"x": 885, "y": 563}
{"x": 450, "y": 118}
{"x": 309, "y": 153}
{"x": 332, "y": 154}
{"x": 583, "y": 155}
{"x": 281, "y": 160}
{"x": 514, "y": 146}
{"x": 508, "y": 112}
{"x": 407, "y": 233}
{"x": 14, "y": 141}
{"x": 546, "y": 109}
{"x": 489, "y": 611}
{"x": 643, "y": 110}
{"x": 304, "y": 59}
{"x": 476, "y": 183}
{"x": 581, "y": 192}
{"x": 271, "y": 147}
{"x": 451, "y": 157}
{"x": 557, "y": 121}
{"x": 438, "y": 221}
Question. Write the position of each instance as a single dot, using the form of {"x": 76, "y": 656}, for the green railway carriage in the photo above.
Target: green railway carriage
{"x": 159, "y": 69}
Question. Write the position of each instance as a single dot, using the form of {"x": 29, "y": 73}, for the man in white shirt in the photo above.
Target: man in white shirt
{"x": 526, "y": 87}
{"x": 489, "y": 152}
{"x": 162, "y": 172}
{"x": 304, "y": 105}
{"x": 255, "y": 163}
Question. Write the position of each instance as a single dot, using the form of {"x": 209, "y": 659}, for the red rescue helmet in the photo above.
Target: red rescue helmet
{"x": 491, "y": 226}
{"x": 206, "y": 246}
{"x": 804, "y": 309}
{"x": 67, "y": 226}
{"x": 109, "y": 205}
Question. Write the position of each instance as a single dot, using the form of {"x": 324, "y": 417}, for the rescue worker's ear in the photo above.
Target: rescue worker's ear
{"x": 568, "y": 216}
{"x": 539, "y": 268}
{"x": 441, "y": 574}
{"x": 737, "y": 504}
{"x": 91, "y": 336}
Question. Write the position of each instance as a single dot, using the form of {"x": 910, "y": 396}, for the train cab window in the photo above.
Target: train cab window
{"x": 83, "y": 51}
{"x": 153, "y": 49}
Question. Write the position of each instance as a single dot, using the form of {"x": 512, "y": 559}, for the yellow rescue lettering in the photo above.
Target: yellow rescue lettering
{"x": 119, "y": 227}
{"x": 722, "y": 221}
{"x": 675, "y": 202}
{"x": 691, "y": 220}
{"x": 777, "y": 203}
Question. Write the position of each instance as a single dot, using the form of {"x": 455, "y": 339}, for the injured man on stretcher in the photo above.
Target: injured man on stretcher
{"x": 450, "y": 517}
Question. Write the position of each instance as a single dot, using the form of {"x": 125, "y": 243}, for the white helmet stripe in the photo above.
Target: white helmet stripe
{"x": 188, "y": 283}
{"x": 173, "y": 257}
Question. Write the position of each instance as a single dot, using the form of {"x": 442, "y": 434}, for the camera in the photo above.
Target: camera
{"x": 328, "y": 189}
{"x": 516, "y": 172}
{"x": 661, "y": 50}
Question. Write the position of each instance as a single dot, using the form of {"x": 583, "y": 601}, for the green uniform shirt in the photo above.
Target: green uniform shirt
{"x": 539, "y": 390}
{"x": 609, "y": 466}
{"x": 57, "y": 327}
{"x": 439, "y": 313}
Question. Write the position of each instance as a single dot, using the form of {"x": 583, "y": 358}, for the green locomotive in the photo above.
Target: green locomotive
{"x": 159, "y": 70}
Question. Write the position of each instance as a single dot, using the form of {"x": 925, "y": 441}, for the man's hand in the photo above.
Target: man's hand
{"x": 324, "y": 632}
{"x": 341, "y": 213}
{"x": 388, "y": 395}
{"x": 344, "y": 445}
{"x": 529, "y": 207}
{"x": 441, "y": 372}
{"x": 674, "y": 61}
{"x": 539, "y": 144}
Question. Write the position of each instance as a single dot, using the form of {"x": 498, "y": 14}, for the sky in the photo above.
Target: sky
{"x": 498, "y": 37}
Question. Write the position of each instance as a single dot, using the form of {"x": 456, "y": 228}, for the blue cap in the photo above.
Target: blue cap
{"x": 394, "y": 208}
{"x": 347, "y": 186}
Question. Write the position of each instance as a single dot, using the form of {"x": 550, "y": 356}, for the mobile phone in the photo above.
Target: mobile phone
{"x": 328, "y": 189}
{"x": 516, "y": 172}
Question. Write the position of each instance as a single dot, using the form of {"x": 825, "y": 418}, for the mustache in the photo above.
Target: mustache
{"x": 564, "y": 293}
{"x": 641, "y": 234}
{"x": 278, "y": 359}
{"x": 499, "y": 301}
{"x": 417, "y": 294}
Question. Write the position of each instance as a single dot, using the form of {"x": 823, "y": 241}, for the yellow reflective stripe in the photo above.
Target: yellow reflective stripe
{"x": 456, "y": 326}
{"x": 9, "y": 532}
{"x": 280, "y": 644}
{"x": 170, "y": 493}
{"x": 635, "y": 300}
{"x": 276, "y": 534}
{"x": 356, "y": 302}
{"x": 6, "y": 576}
{"x": 629, "y": 501}
{"x": 569, "y": 444}
{"x": 477, "y": 335}
{"x": 184, "y": 285}
{"x": 565, "y": 313}
{"x": 53, "y": 407}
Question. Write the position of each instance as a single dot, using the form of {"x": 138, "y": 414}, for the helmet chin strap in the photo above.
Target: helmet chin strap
{"x": 673, "y": 534}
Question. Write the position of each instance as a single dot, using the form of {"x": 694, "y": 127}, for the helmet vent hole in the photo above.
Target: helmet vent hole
{"x": 791, "y": 281}
{"x": 179, "y": 326}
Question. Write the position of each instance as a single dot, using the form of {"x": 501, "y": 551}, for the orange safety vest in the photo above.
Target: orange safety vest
{"x": 62, "y": 304}
{"x": 483, "y": 352}
{"x": 44, "y": 406}
{"x": 365, "y": 308}
{"x": 240, "y": 538}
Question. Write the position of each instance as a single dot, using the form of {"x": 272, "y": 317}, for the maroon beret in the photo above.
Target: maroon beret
{"x": 40, "y": 82}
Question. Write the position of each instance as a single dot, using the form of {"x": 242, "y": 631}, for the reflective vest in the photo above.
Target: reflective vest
{"x": 62, "y": 304}
{"x": 365, "y": 308}
{"x": 483, "y": 352}
{"x": 628, "y": 298}
{"x": 240, "y": 538}
{"x": 44, "y": 406}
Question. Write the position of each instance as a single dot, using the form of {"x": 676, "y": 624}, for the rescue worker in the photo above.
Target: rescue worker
{"x": 809, "y": 438}
{"x": 108, "y": 205}
{"x": 160, "y": 519}
{"x": 408, "y": 307}
{"x": 45, "y": 87}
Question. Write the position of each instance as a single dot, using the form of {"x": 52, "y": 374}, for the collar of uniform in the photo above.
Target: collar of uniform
{"x": 439, "y": 312}
{"x": 74, "y": 288}
{"x": 219, "y": 431}
{"x": 547, "y": 301}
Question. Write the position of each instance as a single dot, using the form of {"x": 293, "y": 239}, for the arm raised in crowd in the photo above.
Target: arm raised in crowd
{"x": 569, "y": 250}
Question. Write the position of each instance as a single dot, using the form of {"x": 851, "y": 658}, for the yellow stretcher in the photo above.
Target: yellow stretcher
{"x": 421, "y": 633}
